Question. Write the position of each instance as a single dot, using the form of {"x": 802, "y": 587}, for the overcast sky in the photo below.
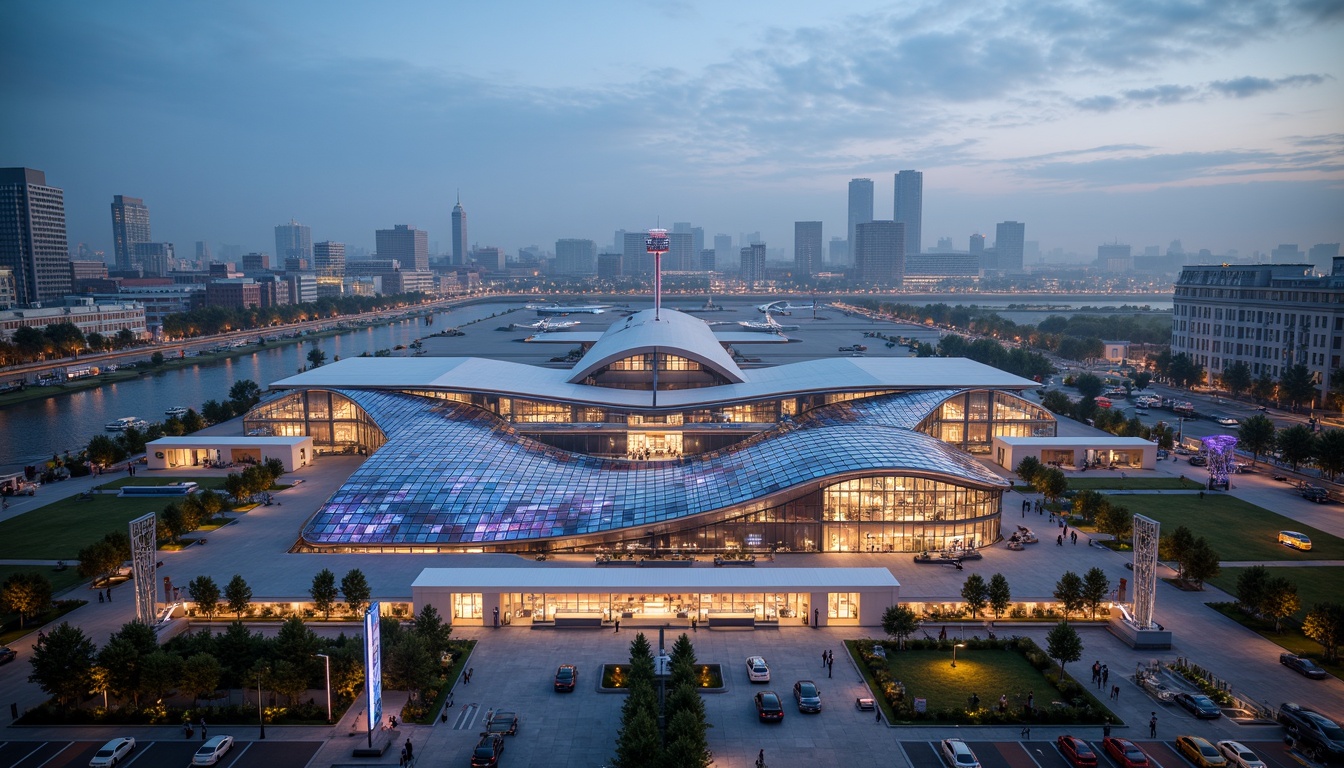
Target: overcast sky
{"x": 1218, "y": 122}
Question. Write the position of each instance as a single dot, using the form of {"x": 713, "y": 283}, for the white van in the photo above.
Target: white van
{"x": 1294, "y": 540}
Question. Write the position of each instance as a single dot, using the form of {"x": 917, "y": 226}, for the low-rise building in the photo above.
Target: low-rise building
{"x": 106, "y": 317}
{"x": 235, "y": 293}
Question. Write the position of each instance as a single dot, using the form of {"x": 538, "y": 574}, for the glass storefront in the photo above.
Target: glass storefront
{"x": 334, "y": 421}
{"x": 767, "y": 607}
{"x": 971, "y": 420}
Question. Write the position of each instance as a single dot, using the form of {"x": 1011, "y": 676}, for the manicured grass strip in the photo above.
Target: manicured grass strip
{"x": 1322, "y": 584}
{"x": 1236, "y": 529}
{"x": 988, "y": 673}
{"x": 60, "y": 529}
{"x": 60, "y": 580}
{"x": 12, "y": 631}
{"x": 215, "y": 483}
{"x": 1111, "y": 481}
{"x": 1290, "y": 638}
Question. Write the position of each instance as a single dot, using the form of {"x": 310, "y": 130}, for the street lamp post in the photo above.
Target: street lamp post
{"x": 955, "y": 646}
{"x": 261, "y": 713}
{"x": 326, "y": 662}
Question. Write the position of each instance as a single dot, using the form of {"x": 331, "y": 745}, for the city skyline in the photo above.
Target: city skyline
{"x": 1091, "y": 125}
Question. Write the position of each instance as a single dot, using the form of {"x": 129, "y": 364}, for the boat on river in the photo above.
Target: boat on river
{"x": 124, "y": 423}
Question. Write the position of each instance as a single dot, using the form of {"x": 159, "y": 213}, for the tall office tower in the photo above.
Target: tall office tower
{"x": 977, "y": 244}
{"x": 293, "y": 241}
{"x": 635, "y": 258}
{"x": 1115, "y": 258}
{"x": 1286, "y": 253}
{"x": 575, "y": 257}
{"x": 753, "y": 265}
{"x": 609, "y": 265}
{"x": 618, "y": 242}
{"x": 723, "y": 249}
{"x": 806, "y": 248}
{"x": 860, "y": 211}
{"x": 909, "y": 209}
{"x": 708, "y": 259}
{"x": 1010, "y": 241}
{"x": 681, "y": 256}
{"x": 838, "y": 251}
{"x": 490, "y": 257}
{"x": 460, "y": 249}
{"x": 130, "y": 225}
{"x": 406, "y": 244}
{"x": 697, "y": 240}
{"x": 202, "y": 252}
{"x": 32, "y": 235}
{"x": 879, "y": 253}
{"x": 329, "y": 259}
{"x": 155, "y": 259}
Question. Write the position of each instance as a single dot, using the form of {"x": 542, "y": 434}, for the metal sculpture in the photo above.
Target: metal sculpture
{"x": 1220, "y": 450}
{"x": 1145, "y": 570}
{"x": 143, "y": 534}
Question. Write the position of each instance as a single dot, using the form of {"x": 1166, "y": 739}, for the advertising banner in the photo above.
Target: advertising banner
{"x": 373, "y": 669}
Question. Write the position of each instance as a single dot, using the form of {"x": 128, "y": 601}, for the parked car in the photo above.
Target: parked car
{"x": 808, "y": 697}
{"x": 1303, "y": 666}
{"x": 1076, "y": 751}
{"x": 1316, "y": 495}
{"x": 1124, "y": 752}
{"x": 757, "y": 670}
{"x": 503, "y": 722}
{"x": 769, "y": 708}
{"x": 1199, "y": 460}
{"x": 1239, "y": 756}
{"x": 566, "y": 677}
{"x": 958, "y": 755}
{"x": 1199, "y": 705}
{"x": 113, "y": 752}
{"x": 488, "y": 750}
{"x": 212, "y": 750}
{"x": 7, "y": 655}
{"x": 1295, "y": 540}
{"x": 1200, "y": 752}
{"x": 1315, "y": 735}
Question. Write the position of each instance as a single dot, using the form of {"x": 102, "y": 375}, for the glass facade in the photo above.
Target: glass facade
{"x": 784, "y": 608}
{"x": 334, "y": 421}
{"x": 971, "y": 420}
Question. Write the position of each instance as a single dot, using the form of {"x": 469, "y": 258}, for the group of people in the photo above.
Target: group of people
{"x": 828, "y": 661}
{"x": 187, "y": 729}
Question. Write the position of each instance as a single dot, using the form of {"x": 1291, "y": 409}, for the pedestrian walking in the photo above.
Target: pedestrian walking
{"x": 829, "y": 664}
{"x": 1059, "y": 540}
{"x": 1152, "y": 726}
{"x": 1115, "y": 692}
{"x": 618, "y": 626}
{"x": 760, "y": 759}
{"x": 823, "y": 659}
{"x": 403, "y": 758}
{"x": 100, "y": 596}
{"x": 1105, "y": 674}
{"x": 410, "y": 750}
{"x": 879, "y": 714}
{"x": 1026, "y": 732}
{"x": 695, "y": 620}
{"x": 109, "y": 594}
{"x": 1106, "y": 731}
{"x": 1201, "y": 495}
{"x": 1096, "y": 669}
{"x": 1074, "y": 536}
{"x": 470, "y": 671}
{"x": 202, "y": 729}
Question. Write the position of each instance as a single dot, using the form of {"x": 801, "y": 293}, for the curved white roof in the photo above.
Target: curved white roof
{"x": 673, "y": 333}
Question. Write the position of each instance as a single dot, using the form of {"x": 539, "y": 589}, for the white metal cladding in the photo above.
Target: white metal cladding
{"x": 655, "y": 579}
{"x": 672, "y": 333}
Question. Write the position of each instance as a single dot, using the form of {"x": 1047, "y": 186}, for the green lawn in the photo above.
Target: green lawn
{"x": 1237, "y": 530}
{"x": 215, "y": 483}
{"x": 60, "y": 529}
{"x": 1323, "y": 584}
{"x": 60, "y": 580}
{"x": 1111, "y": 481}
{"x": 988, "y": 673}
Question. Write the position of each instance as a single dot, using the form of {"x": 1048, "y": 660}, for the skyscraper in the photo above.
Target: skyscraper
{"x": 155, "y": 259}
{"x": 406, "y": 244}
{"x": 130, "y": 225}
{"x": 723, "y": 250}
{"x": 753, "y": 265}
{"x": 329, "y": 259}
{"x": 635, "y": 258}
{"x": 1010, "y": 242}
{"x": 681, "y": 256}
{"x": 860, "y": 212}
{"x": 909, "y": 209}
{"x": 977, "y": 244}
{"x": 806, "y": 248}
{"x": 879, "y": 253}
{"x": 293, "y": 241}
{"x": 575, "y": 257}
{"x": 460, "y": 249}
{"x": 32, "y": 235}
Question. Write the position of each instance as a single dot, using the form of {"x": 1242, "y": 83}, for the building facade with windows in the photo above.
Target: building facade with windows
{"x": 1269, "y": 316}
{"x": 656, "y": 439}
{"x": 32, "y": 236}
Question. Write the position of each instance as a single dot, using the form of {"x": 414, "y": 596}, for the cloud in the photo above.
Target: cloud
{"x": 1126, "y": 167}
{"x": 1245, "y": 87}
{"x": 1168, "y": 94}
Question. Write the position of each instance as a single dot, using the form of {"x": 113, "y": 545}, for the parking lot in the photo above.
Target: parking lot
{"x": 155, "y": 754}
{"x": 1043, "y": 754}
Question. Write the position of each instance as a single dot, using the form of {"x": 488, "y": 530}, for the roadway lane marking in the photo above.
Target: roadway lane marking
{"x": 466, "y": 718}
{"x": 138, "y": 752}
{"x": 53, "y": 757}
{"x": 30, "y": 754}
{"x": 1022, "y": 751}
{"x": 239, "y": 755}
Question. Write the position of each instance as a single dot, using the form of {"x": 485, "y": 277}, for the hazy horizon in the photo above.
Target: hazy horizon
{"x": 1220, "y": 124}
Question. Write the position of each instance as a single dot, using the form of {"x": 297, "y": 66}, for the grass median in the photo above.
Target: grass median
{"x": 1236, "y": 529}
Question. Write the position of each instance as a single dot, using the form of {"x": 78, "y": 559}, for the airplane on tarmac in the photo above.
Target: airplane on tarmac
{"x": 545, "y": 324}
{"x": 782, "y": 308}
{"x": 543, "y": 310}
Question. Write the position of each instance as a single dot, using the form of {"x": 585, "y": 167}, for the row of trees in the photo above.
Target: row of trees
{"x": 1078, "y": 334}
{"x": 105, "y": 450}
{"x": 683, "y": 742}
{"x": 1196, "y": 561}
{"x": 58, "y": 340}
{"x": 1262, "y": 593}
{"x": 354, "y": 588}
{"x": 1017, "y": 360}
{"x": 1297, "y": 445}
{"x": 207, "y": 321}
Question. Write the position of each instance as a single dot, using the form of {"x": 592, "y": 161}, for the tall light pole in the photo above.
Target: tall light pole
{"x": 326, "y": 662}
{"x": 955, "y": 646}
{"x": 261, "y": 713}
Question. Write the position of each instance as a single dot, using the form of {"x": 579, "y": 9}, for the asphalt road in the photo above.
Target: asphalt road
{"x": 155, "y": 754}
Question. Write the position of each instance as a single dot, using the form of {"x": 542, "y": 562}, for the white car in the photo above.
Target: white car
{"x": 958, "y": 755}
{"x": 212, "y": 750}
{"x": 113, "y": 752}
{"x": 757, "y": 670}
{"x": 1227, "y": 421}
{"x": 1238, "y": 756}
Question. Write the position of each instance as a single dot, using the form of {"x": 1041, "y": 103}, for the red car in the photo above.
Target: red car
{"x": 1078, "y": 752}
{"x": 1124, "y": 752}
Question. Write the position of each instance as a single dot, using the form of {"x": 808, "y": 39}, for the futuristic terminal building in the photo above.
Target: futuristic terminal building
{"x": 656, "y": 438}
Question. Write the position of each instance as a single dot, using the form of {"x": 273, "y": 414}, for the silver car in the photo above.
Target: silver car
{"x": 113, "y": 752}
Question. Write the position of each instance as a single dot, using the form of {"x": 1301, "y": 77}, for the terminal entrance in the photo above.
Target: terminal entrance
{"x": 659, "y": 608}
{"x": 652, "y": 446}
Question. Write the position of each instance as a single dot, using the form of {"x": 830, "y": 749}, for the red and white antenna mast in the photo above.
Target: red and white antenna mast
{"x": 657, "y": 243}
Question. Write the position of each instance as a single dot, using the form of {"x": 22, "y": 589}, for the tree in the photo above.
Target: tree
{"x": 1200, "y": 563}
{"x": 1297, "y": 385}
{"x": 1116, "y": 520}
{"x": 687, "y": 745}
{"x": 1256, "y": 435}
{"x": 1296, "y": 444}
{"x": 156, "y": 359}
{"x": 1330, "y": 452}
{"x": 1325, "y": 624}
{"x": 1141, "y": 379}
{"x": 200, "y": 675}
{"x": 1069, "y": 593}
{"x": 205, "y": 593}
{"x": 637, "y": 743}
{"x": 1056, "y": 401}
{"x": 99, "y": 560}
{"x": 62, "y": 660}
{"x": 104, "y": 451}
{"x": 238, "y": 594}
{"x": 235, "y": 486}
{"x": 1096, "y": 586}
{"x": 899, "y": 622}
{"x": 408, "y": 663}
{"x": 215, "y": 412}
{"x": 1280, "y": 600}
{"x": 31, "y": 343}
{"x": 26, "y": 594}
{"x": 1051, "y": 483}
{"x": 1000, "y": 596}
{"x": 1251, "y": 588}
{"x": 976, "y": 593}
{"x": 243, "y": 395}
{"x": 316, "y": 357}
{"x": 430, "y": 627}
{"x": 1088, "y": 385}
{"x": 1264, "y": 388}
{"x": 323, "y": 591}
{"x": 193, "y": 421}
{"x": 356, "y": 590}
{"x": 1027, "y": 469}
{"x": 1175, "y": 546}
{"x": 1236, "y": 378}
{"x": 174, "y": 521}
{"x": 1089, "y": 504}
{"x": 1063, "y": 645}
{"x": 159, "y": 671}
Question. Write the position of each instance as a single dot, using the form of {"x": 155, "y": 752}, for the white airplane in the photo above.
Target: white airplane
{"x": 545, "y": 324}
{"x": 782, "y": 308}
{"x": 552, "y": 309}
{"x": 768, "y": 325}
